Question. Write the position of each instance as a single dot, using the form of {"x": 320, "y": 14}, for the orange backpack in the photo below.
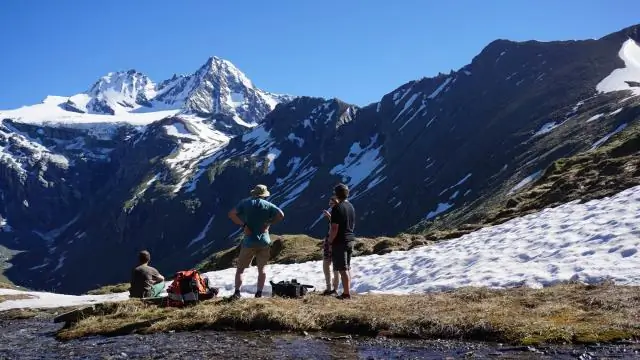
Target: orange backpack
{"x": 189, "y": 287}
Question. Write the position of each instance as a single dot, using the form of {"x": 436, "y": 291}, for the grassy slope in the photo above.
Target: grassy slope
{"x": 562, "y": 313}
{"x": 288, "y": 249}
{"x": 591, "y": 175}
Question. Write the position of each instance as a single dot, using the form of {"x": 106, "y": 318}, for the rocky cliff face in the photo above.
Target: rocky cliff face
{"x": 164, "y": 180}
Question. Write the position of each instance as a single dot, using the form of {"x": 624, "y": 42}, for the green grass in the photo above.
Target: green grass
{"x": 565, "y": 313}
{"x": 288, "y": 249}
{"x": 110, "y": 289}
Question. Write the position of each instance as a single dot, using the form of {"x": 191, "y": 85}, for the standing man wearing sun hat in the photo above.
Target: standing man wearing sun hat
{"x": 255, "y": 215}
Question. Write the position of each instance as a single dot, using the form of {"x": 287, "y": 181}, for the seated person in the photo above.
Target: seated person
{"x": 146, "y": 281}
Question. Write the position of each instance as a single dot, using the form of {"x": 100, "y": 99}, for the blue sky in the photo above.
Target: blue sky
{"x": 356, "y": 50}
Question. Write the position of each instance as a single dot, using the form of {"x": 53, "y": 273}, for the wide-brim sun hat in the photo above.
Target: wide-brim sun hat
{"x": 260, "y": 191}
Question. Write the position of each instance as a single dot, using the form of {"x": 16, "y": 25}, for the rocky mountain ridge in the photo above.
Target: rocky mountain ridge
{"x": 165, "y": 179}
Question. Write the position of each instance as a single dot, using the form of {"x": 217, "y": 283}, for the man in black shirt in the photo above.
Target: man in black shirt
{"x": 341, "y": 237}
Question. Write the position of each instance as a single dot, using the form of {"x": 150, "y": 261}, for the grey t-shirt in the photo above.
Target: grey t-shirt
{"x": 143, "y": 277}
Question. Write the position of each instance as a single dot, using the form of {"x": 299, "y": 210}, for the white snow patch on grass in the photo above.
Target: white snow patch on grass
{"x": 546, "y": 128}
{"x": 531, "y": 178}
{"x": 587, "y": 242}
{"x": 456, "y": 184}
{"x": 617, "y": 80}
{"x": 616, "y": 112}
{"x": 442, "y": 207}
{"x": 202, "y": 233}
{"x": 595, "y": 117}
{"x": 599, "y": 143}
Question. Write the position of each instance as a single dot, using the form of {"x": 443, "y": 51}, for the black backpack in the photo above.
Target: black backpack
{"x": 289, "y": 289}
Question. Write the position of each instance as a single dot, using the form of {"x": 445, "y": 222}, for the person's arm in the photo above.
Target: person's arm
{"x": 157, "y": 277}
{"x": 233, "y": 215}
{"x": 336, "y": 218}
{"x": 277, "y": 215}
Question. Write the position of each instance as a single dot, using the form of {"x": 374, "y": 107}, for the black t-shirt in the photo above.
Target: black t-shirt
{"x": 344, "y": 215}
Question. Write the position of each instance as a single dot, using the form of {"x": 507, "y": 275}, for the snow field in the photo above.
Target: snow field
{"x": 587, "y": 242}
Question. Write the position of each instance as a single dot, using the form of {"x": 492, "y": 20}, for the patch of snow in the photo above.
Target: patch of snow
{"x": 595, "y": 117}
{"x": 422, "y": 107}
{"x": 293, "y": 138}
{"x": 359, "y": 163}
{"x": 616, "y": 112}
{"x": 185, "y": 158}
{"x": 379, "y": 107}
{"x": 437, "y": 91}
{"x": 466, "y": 72}
{"x": 202, "y": 233}
{"x": 617, "y": 80}
{"x": 456, "y": 184}
{"x": 271, "y": 156}
{"x": 60, "y": 262}
{"x": 330, "y": 116}
{"x": 297, "y": 180}
{"x": 180, "y": 131}
{"x": 442, "y": 207}
{"x": 430, "y": 122}
{"x": 599, "y": 143}
{"x": 540, "y": 249}
{"x": 295, "y": 192}
{"x": 399, "y": 95}
{"x": 499, "y": 56}
{"x": 407, "y": 105}
{"x": 531, "y": 178}
{"x": 50, "y": 113}
{"x": 546, "y": 128}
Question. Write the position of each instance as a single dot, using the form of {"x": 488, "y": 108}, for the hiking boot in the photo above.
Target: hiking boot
{"x": 258, "y": 294}
{"x": 343, "y": 297}
{"x": 329, "y": 292}
{"x": 236, "y": 295}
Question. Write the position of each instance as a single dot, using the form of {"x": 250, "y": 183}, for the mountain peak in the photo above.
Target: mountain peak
{"x": 127, "y": 83}
{"x": 222, "y": 68}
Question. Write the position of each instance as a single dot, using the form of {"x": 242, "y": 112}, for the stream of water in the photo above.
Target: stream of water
{"x": 34, "y": 339}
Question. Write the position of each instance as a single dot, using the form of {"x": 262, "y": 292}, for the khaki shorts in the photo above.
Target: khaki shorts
{"x": 262, "y": 255}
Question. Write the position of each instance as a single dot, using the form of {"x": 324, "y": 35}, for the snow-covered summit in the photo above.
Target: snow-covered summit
{"x": 627, "y": 78}
{"x": 218, "y": 89}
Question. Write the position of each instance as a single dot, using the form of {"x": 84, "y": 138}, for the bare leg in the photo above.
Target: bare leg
{"x": 262, "y": 276}
{"x": 326, "y": 264}
{"x": 336, "y": 280}
{"x": 239, "y": 272}
{"x": 346, "y": 282}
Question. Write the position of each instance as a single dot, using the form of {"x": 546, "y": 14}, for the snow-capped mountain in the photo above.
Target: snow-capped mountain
{"x": 116, "y": 92}
{"x": 162, "y": 173}
{"x": 217, "y": 89}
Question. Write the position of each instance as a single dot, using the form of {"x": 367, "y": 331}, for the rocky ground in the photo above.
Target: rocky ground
{"x": 34, "y": 339}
